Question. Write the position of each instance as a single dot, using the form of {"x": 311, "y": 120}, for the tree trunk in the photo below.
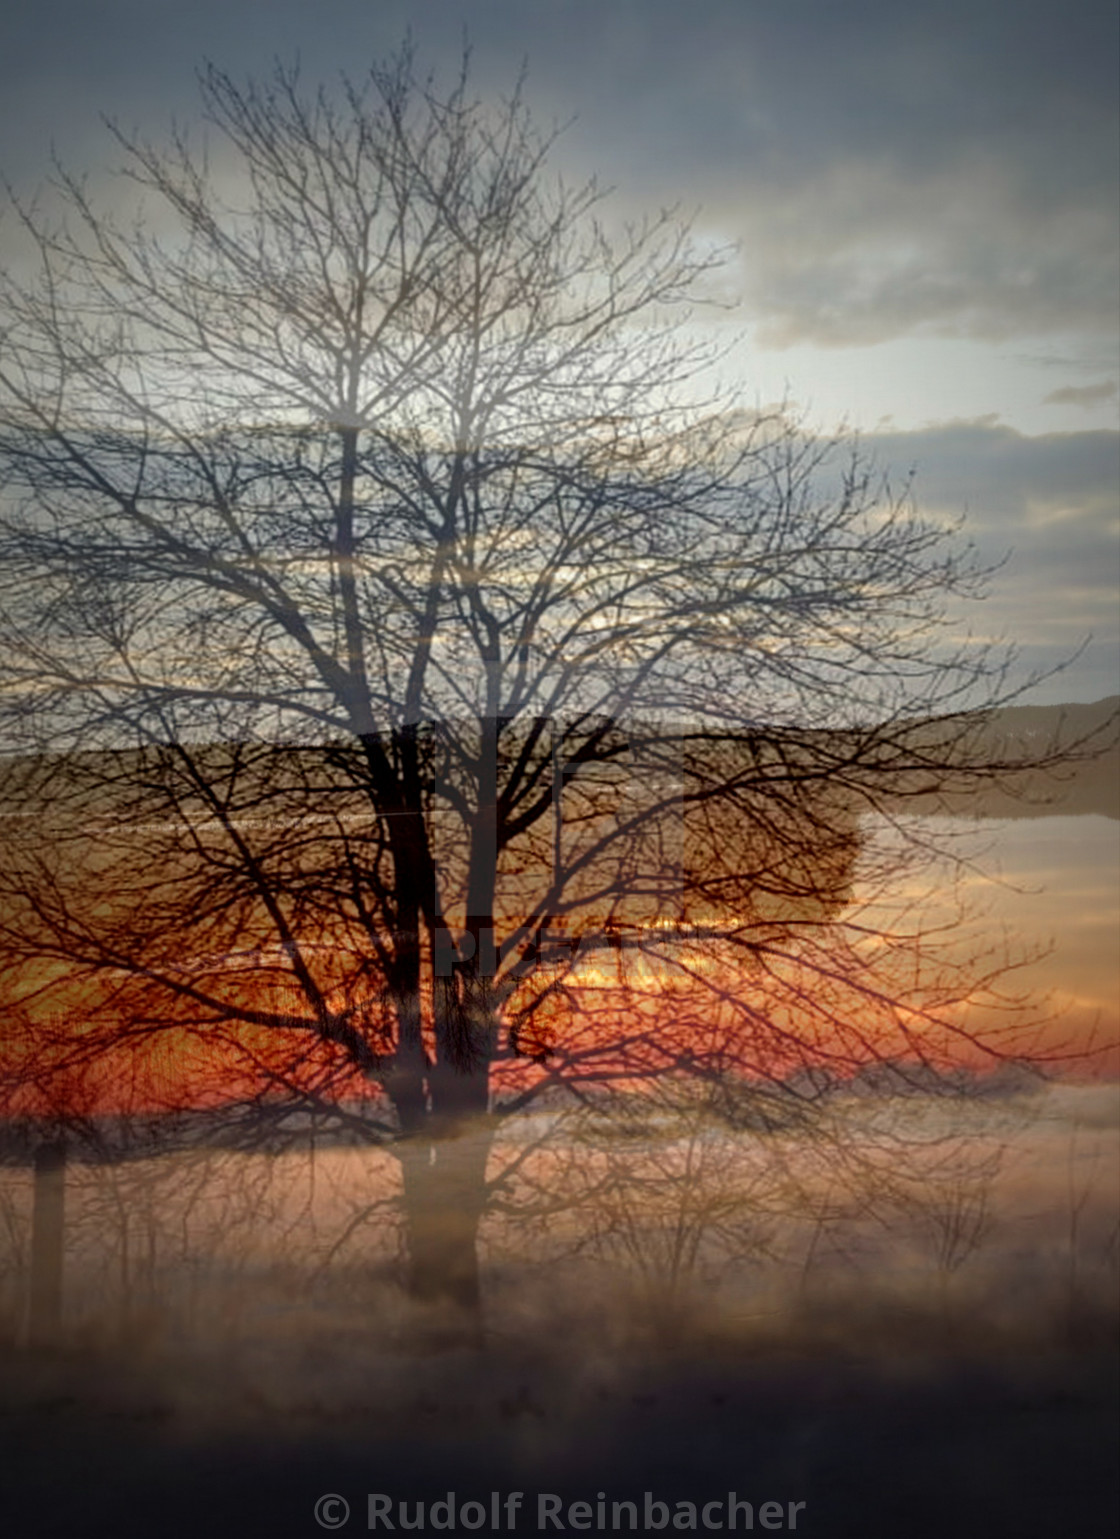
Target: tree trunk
{"x": 443, "y": 1101}
{"x": 44, "y": 1313}
{"x": 444, "y": 1199}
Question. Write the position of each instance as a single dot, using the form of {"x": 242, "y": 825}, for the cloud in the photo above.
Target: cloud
{"x": 1007, "y": 482}
{"x": 860, "y": 255}
{"x": 888, "y": 168}
{"x": 1081, "y": 395}
{"x": 1044, "y": 512}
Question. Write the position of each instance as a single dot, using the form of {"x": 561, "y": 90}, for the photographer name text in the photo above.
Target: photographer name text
{"x": 551, "y": 1513}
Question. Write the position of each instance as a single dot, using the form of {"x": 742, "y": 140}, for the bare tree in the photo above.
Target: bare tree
{"x": 399, "y": 649}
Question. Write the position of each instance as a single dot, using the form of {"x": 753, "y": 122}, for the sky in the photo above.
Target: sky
{"x": 921, "y": 200}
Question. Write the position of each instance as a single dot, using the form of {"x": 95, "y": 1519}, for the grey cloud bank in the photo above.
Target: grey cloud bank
{"x": 887, "y": 168}
{"x": 1047, "y": 509}
{"x": 1008, "y": 481}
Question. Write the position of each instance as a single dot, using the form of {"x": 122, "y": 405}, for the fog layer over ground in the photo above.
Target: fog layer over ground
{"x": 669, "y": 1307}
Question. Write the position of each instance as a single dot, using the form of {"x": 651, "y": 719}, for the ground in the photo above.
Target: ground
{"x": 899, "y": 1427}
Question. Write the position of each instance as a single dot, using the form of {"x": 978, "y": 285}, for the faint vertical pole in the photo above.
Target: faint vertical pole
{"x": 557, "y": 812}
{"x": 44, "y": 1313}
{"x": 674, "y": 853}
{"x": 482, "y": 877}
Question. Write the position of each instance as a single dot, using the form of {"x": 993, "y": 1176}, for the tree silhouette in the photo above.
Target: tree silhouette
{"x": 421, "y": 692}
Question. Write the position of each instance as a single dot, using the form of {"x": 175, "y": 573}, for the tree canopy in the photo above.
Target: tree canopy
{"x": 402, "y": 635}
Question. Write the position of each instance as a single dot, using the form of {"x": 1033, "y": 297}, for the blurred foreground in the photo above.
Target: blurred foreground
{"x": 918, "y": 1346}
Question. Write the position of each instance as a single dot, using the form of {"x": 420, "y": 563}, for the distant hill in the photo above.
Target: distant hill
{"x": 1088, "y": 782}
{"x": 1086, "y": 737}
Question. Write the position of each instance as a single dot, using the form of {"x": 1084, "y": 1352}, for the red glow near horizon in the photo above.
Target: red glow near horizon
{"x": 75, "y": 1060}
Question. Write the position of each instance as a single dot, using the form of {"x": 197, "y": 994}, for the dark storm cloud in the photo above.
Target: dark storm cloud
{"x": 886, "y": 167}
